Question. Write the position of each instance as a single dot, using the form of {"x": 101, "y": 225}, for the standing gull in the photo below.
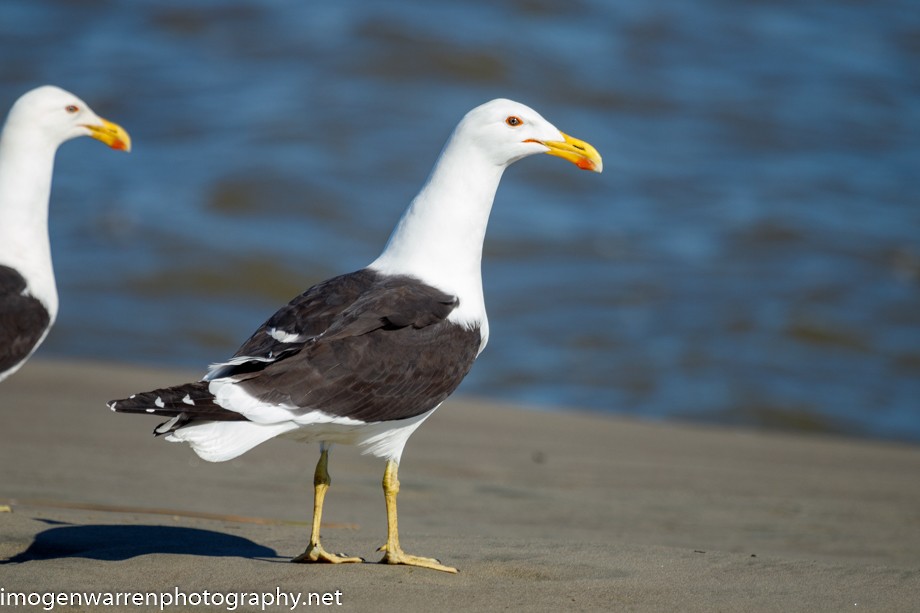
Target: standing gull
{"x": 364, "y": 358}
{"x": 39, "y": 122}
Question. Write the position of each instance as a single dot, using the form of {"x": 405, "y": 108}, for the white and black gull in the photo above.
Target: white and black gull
{"x": 38, "y": 123}
{"x": 364, "y": 358}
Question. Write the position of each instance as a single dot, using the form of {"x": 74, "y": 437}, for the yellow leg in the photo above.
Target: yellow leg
{"x": 394, "y": 553}
{"x": 315, "y": 551}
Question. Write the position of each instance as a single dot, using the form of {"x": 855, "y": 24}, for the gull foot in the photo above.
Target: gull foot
{"x": 401, "y": 557}
{"x": 315, "y": 553}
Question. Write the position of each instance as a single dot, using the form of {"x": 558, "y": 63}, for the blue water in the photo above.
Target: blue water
{"x": 751, "y": 254}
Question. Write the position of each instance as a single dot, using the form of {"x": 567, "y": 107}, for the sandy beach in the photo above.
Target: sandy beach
{"x": 540, "y": 511}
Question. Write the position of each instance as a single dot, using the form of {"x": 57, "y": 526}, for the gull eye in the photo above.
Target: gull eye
{"x": 71, "y": 108}
{"x": 514, "y": 121}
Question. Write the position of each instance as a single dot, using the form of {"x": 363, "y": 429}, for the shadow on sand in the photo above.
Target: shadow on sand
{"x": 122, "y": 542}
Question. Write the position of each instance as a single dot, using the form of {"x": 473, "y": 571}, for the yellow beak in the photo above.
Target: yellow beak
{"x": 576, "y": 151}
{"x": 111, "y": 134}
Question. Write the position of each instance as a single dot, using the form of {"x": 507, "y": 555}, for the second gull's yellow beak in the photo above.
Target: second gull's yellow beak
{"x": 111, "y": 134}
{"x": 576, "y": 151}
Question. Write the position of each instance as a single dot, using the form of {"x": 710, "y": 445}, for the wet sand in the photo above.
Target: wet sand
{"x": 539, "y": 510}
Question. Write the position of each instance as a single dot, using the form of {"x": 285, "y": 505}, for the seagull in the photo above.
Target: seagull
{"x": 38, "y": 123}
{"x": 364, "y": 358}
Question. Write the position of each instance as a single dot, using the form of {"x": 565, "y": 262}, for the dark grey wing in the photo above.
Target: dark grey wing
{"x": 391, "y": 354}
{"x": 392, "y": 303}
{"x": 23, "y": 319}
{"x": 303, "y": 318}
{"x": 183, "y": 404}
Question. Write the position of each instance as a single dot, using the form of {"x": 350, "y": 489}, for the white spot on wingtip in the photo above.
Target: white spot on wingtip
{"x": 132, "y": 396}
{"x": 151, "y": 410}
{"x": 188, "y": 400}
{"x": 112, "y": 405}
{"x": 284, "y": 337}
{"x": 159, "y": 402}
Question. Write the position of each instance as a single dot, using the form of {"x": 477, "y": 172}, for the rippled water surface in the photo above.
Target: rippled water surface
{"x": 750, "y": 255}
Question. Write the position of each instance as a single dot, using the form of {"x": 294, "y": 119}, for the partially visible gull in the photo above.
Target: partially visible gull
{"x": 366, "y": 357}
{"x": 37, "y": 124}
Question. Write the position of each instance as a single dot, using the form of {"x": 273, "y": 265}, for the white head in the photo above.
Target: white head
{"x": 506, "y": 131}
{"x": 440, "y": 236}
{"x": 37, "y": 124}
{"x": 54, "y": 115}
